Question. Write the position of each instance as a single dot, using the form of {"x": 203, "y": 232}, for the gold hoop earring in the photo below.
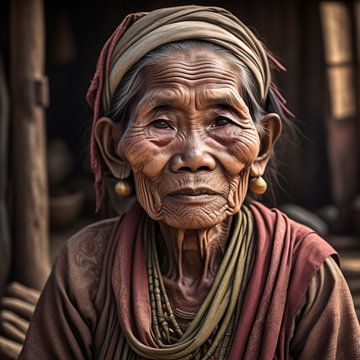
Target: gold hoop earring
{"x": 122, "y": 188}
{"x": 258, "y": 185}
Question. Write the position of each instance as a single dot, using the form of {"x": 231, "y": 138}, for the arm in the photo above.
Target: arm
{"x": 326, "y": 327}
{"x": 65, "y": 317}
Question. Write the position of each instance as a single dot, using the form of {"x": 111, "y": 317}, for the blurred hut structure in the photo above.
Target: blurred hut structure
{"x": 26, "y": 254}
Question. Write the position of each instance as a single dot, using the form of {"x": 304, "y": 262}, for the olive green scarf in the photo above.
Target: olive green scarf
{"x": 211, "y": 330}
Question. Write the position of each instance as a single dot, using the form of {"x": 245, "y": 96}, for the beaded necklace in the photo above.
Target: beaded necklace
{"x": 210, "y": 331}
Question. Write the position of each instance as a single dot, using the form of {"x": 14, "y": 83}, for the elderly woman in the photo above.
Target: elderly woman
{"x": 186, "y": 112}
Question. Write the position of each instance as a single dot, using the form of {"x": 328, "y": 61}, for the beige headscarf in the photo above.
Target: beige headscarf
{"x": 168, "y": 25}
{"x": 141, "y": 33}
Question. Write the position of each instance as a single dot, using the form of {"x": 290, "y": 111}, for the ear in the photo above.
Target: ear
{"x": 107, "y": 136}
{"x": 272, "y": 127}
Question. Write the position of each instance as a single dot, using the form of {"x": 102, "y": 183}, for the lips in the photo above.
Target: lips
{"x": 193, "y": 196}
{"x": 193, "y": 192}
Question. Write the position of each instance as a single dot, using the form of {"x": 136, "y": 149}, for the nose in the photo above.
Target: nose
{"x": 192, "y": 159}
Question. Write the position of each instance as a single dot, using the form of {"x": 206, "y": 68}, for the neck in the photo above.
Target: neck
{"x": 189, "y": 260}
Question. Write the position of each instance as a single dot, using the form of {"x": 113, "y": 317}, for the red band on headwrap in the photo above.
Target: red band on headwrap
{"x": 94, "y": 99}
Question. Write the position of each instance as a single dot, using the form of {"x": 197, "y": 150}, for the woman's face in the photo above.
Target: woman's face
{"x": 191, "y": 140}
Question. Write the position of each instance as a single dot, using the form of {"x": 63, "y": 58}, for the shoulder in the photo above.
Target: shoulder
{"x": 296, "y": 247}
{"x": 301, "y": 238}
{"x": 66, "y": 315}
{"x": 304, "y": 249}
{"x": 273, "y": 217}
{"x": 80, "y": 260}
{"x": 97, "y": 231}
{"x": 326, "y": 319}
{"x": 328, "y": 278}
{"x": 89, "y": 242}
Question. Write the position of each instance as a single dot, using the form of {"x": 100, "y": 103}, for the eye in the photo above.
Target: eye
{"x": 221, "y": 121}
{"x": 161, "y": 124}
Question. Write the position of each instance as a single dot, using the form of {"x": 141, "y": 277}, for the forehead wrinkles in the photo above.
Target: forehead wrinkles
{"x": 227, "y": 95}
{"x": 169, "y": 94}
{"x": 189, "y": 79}
{"x": 198, "y": 96}
{"x": 191, "y": 72}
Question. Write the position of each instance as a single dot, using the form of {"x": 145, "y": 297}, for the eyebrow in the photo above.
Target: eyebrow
{"x": 158, "y": 99}
{"x": 229, "y": 101}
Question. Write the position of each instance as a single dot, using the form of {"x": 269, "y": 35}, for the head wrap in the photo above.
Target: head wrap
{"x": 140, "y": 33}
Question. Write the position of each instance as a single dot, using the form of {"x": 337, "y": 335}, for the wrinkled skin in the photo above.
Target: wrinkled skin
{"x": 191, "y": 144}
{"x": 189, "y": 150}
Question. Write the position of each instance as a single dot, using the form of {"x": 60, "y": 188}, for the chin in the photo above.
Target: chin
{"x": 201, "y": 222}
{"x": 194, "y": 217}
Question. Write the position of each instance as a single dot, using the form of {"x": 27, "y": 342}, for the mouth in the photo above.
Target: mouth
{"x": 193, "y": 194}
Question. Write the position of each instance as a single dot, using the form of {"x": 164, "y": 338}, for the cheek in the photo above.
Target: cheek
{"x": 144, "y": 151}
{"x": 242, "y": 147}
{"x": 238, "y": 187}
{"x": 246, "y": 146}
{"x": 148, "y": 196}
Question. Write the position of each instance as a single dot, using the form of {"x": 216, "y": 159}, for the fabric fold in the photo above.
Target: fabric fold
{"x": 131, "y": 289}
{"x": 282, "y": 267}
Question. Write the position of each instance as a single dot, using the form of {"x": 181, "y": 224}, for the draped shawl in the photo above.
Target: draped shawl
{"x": 286, "y": 257}
{"x": 88, "y": 289}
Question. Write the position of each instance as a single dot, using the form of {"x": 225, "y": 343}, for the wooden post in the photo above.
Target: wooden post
{"x": 29, "y": 96}
{"x": 342, "y": 126}
{"x": 5, "y": 254}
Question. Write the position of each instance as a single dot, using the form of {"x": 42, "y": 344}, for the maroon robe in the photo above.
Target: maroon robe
{"x": 104, "y": 265}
